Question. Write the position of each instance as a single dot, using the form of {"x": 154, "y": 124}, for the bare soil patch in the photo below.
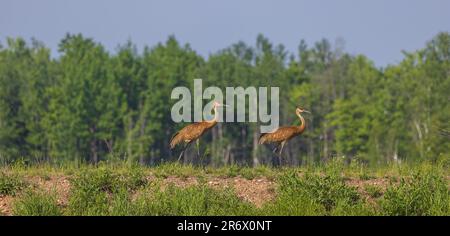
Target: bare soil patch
{"x": 5, "y": 205}
{"x": 256, "y": 191}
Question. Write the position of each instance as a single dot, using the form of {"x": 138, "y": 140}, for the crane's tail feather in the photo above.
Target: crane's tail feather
{"x": 174, "y": 140}
{"x": 262, "y": 138}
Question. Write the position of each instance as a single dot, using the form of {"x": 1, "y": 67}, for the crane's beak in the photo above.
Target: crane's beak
{"x": 225, "y": 105}
{"x": 307, "y": 111}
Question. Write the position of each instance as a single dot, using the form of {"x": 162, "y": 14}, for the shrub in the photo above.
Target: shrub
{"x": 424, "y": 193}
{"x": 328, "y": 190}
{"x": 192, "y": 201}
{"x": 103, "y": 192}
{"x": 121, "y": 204}
{"x": 10, "y": 184}
{"x": 176, "y": 169}
{"x": 360, "y": 208}
{"x": 293, "y": 204}
{"x": 323, "y": 190}
{"x": 89, "y": 193}
{"x": 133, "y": 178}
{"x": 36, "y": 203}
{"x": 373, "y": 191}
{"x": 87, "y": 203}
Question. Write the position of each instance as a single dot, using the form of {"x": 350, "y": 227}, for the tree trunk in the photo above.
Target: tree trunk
{"x": 214, "y": 146}
{"x": 227, "y": 155}
{"x": 141, "y": 144}
{"x": 325, "y": 142}
{"x": 241, "y": 146}
{"x": 419, "y": 137}
{"x": 94, "y": 156}
{"x": 130, "y": 140}
{"x": 310, "y": 160}
{"x": 220, "y": 133}
{"x": 395, "y": 156}
{"x": 93, "y": 144}
{"x": 255, "y": 148}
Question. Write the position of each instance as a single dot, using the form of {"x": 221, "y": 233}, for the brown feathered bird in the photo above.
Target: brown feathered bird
{"x": 284, "y": 134}
{"x": 194, "y": 131}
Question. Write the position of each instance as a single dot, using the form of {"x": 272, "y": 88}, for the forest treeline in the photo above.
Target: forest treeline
{"x": 91, "y": 105}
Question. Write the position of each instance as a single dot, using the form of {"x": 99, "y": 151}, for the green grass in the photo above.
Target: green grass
{"x": 191, "y": 201}
{"x": 315, "y": 194}
{"x": 37, "y": 203}
{"x": 154, "y": 200}
{"x": 426, "y": 192}
{"x": 184, "y": 171}
{"x": 93, "y": 190}
{"x": 373, "y": 191}
{"x": 10, "y": 183}
{"x": 421, "y": 189}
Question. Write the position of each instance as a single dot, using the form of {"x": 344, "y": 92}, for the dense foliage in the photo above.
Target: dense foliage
{"x": 90, "y": 105}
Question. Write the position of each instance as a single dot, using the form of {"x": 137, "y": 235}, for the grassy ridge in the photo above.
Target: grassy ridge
{"x": 330, "y": 189}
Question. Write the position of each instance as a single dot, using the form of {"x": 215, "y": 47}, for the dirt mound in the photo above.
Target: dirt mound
{"x": 5, "y": 205}
{"x": 256, "y": 191}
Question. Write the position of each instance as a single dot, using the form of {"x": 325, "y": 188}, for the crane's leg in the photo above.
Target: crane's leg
{"x": 182, "y": 152}
{"x": 281, "y": 151}
{"x": 275, "y": 151}
{"x": 198, "y": 147}
{"x": 277, "y": 147}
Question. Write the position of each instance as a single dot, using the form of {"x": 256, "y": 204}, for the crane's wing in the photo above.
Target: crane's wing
{"x": 187, "y": 134}
{"x": 263, "y": 137}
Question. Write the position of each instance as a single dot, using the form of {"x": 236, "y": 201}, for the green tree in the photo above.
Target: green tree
{"x": 84, "y": 110}
{"x": 25, "y": 73}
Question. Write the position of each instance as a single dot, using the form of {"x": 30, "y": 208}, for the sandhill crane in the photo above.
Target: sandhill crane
{"x": 284, "y": 134}
{"x": 194, "y": 131}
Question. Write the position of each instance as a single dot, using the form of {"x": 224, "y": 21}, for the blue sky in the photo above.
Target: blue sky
{"x": 379, "y": 29}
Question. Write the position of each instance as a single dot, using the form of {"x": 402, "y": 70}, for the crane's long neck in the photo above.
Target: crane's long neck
{"x": 216, "y": 117}
{"x": 301, "y": 127}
